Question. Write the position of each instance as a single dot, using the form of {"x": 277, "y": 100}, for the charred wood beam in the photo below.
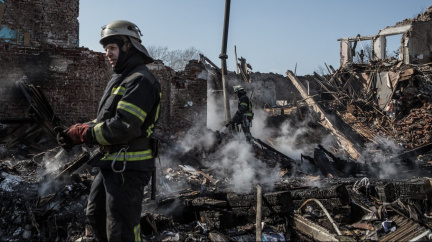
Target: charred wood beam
{"x": 324, "y": 85}
{"x": 206, "y": 202}
{"x": 17, "y": 121}
{"x": 40, "y": 108}
{"x": 203, "y": 57}
{"x": 272, "y": 149}
{"x": 324, "y": 164}
{"x": 28, "y": 133}
{"x": 335, "y": 192}
{"x": 341, "y": 165}
{"x": 328, "y": 69}
{"x": 350, "y": 147}
{"x": 77, "y": 163}
{"x": 32, "y": 216}
{"x": 414, "y": 152}
{"x": 214, "y": 220}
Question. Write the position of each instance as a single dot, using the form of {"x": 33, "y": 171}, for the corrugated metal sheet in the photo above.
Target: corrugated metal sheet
{"x": 407, "y": 230}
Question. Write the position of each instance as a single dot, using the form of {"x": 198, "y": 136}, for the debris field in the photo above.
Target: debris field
{"x": 347, "y": 157}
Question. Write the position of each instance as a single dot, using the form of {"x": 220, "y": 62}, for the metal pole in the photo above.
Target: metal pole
{"x": 235, "y": 52}
{"x": 223, "y": 56}
{"x": 258, "y": 214}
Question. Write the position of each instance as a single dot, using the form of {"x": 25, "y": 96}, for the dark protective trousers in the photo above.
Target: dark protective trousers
{"x": 245, "y": 124}
{"x": 115, "y": 203}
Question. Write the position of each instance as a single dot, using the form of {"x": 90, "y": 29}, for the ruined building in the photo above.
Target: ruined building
{"x": 343, "y": 156}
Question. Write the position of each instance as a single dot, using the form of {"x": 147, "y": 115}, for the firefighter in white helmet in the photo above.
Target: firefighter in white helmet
{"x": 127, "y": 114}
{"x": 244, "y": 114}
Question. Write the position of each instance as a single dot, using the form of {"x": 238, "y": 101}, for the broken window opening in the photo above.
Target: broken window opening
{"x": 393, "y": 47}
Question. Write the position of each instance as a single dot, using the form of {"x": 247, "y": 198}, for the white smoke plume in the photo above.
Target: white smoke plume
{"x": 53, "y": 163}
{"x": 236, "y": 162}
{"x": 378, "y": 154}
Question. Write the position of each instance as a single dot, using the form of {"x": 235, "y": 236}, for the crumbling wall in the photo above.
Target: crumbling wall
{"x": 420, "y": 42}
{"x": 73, "y": 80}
{"x": 163, "y": 74}
{"x": 279, "y": 87}
{"x": 188, "y": 94}
{"x": 40, "y": 22}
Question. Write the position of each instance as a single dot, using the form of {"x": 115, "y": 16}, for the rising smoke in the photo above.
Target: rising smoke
{"x": 235, "y": 160}
{"x": 237, "y": 163}
{"x": 379, "y": 155}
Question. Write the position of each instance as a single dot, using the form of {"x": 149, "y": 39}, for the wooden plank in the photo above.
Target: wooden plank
{"x": 345, "y": 143}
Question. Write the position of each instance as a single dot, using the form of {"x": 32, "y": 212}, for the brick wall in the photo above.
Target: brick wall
{"x": 163, "y": 74}
{"x": 188, "y": 99}
{"x": 73, "y": 80}
{"x": 53, "y": 22}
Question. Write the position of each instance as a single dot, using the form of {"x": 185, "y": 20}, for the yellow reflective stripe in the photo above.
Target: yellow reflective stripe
{"x": 150, "y": 130}
{"x": 243, "y": 104}
{"x": 133, "y": 109}
{"x": 137, "y": 232}
{"x": 248, "y": 114}
{"x": 94, "y": 121}
{"x": 130, "y": 156}
{"x": 118, "y": 91}
{"x": 99, "y": 136}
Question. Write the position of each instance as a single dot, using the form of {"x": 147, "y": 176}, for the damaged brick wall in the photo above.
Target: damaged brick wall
{"x": 163, "y": 74}
{"x": 188, "y": 94}
{"x": 40, "y": 22}
{"x": 420, "y": 42}
{"x": 73, "y": 80}
{"x": 267, "y": 89}
{"x": 283, "y": 89}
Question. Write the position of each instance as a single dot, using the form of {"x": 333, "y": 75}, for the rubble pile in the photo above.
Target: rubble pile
{"x": 196, "y": 200}
{"x": 207, "y": 187}
{"x": 349, "y": 161}
{"x": 402, "y": 113}
{"x": 36, "y": 203}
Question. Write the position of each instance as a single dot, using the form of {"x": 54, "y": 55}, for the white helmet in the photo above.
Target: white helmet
{"x": 126, "y": 28}
{"x": 238, "y": 88}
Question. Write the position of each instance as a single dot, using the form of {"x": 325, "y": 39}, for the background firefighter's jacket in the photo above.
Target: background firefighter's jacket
{"x": 244, "y": 110}
{"x": 126, "y": 117}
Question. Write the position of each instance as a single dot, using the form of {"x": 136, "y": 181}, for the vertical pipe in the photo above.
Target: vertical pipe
{"x": 223, "y": 56}
{"x": 235, "y": 52}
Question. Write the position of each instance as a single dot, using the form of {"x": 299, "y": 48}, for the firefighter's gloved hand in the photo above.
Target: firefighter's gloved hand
{"x": 77, "y": 133}
{"x": 228, "y": 124}
{"x": 62, "y": 139}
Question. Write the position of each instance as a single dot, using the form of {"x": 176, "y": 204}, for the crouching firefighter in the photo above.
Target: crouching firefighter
{"x": 126, "y": 117}
{"x": 244, "y": 114}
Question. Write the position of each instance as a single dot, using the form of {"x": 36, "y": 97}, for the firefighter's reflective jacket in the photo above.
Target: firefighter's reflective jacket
{"x": 127, "y": 113}
{"x": 244, "y": 110}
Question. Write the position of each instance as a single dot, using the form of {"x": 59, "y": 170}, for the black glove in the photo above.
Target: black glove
{"x": 63, "y": 139}
{"x": 228, "y": 124}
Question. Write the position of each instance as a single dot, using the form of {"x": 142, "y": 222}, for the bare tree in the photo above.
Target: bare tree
{"x": 176, "y": 59}
{"x": 157, "y": 52}
{"x": 190, "y": 54}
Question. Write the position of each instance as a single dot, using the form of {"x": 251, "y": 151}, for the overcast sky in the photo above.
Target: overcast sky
{"x": 273, "y": 36}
